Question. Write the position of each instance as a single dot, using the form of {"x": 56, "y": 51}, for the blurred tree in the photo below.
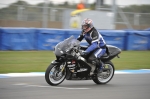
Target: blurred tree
{"x": 66, "y": 3}
{"x": 20, "y": 3}
{"x": 137, "y": 8}
{"x": 51, "y": 4}
{"x": 92, "y": 6}
{"x": 40, "y": 4}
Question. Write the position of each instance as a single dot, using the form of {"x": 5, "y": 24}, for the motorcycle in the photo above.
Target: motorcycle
{"x": 71, "y": 65}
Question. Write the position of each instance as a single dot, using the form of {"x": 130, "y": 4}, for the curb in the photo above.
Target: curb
{"x": 37, "y": 74}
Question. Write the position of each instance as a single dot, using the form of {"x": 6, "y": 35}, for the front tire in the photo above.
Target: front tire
{"x": 53, "y": 76}
{"x": 106, "y": 75}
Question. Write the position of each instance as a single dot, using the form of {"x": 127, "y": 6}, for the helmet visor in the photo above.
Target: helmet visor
{"x": 84, "y": 27}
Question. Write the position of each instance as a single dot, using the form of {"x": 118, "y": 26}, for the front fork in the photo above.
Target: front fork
{"x": 62, "y": 67}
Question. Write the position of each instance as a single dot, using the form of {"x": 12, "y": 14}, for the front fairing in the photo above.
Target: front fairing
{"x": 65, "y": 46}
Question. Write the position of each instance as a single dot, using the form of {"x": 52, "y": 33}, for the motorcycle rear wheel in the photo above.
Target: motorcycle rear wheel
{"x": 53, "y": 76}
{"x": 106, "y": 75}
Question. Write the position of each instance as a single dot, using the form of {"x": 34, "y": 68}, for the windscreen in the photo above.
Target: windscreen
{"x": 65, "y": 46}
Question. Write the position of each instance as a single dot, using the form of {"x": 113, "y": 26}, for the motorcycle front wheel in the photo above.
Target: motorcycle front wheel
{"x": 106, "y": 75}
{"x": 55, "y": 74}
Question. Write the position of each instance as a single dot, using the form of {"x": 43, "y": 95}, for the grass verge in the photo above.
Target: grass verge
{"x": 37, "y": 61}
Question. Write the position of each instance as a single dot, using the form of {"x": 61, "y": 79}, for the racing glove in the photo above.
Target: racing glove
{"x": 84, "y": 53}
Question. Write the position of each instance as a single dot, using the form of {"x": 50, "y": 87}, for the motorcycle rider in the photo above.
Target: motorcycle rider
{"x": 97, "y": 45}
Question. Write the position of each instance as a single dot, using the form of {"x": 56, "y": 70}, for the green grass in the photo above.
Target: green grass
{"x": 37, "y": 61}
{"x": 25, "y": 61}
{"x": 133, "y": 60}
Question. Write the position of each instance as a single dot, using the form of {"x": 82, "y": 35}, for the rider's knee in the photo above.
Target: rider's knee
{"x": 92, "y": 59}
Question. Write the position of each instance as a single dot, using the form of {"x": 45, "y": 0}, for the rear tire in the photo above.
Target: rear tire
{"x": 105, "y": 76}
{"x": 52, "y": 75}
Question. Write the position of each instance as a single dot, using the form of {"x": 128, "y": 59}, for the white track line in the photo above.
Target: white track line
{"x": 31, "y": 85}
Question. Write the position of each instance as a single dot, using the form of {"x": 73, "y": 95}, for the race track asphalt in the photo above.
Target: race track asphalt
{"x": 122, "y": 86}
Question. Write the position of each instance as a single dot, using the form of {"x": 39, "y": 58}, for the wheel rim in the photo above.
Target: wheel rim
{"x": 54, "y": 75}
{"x": 106, "y": 76}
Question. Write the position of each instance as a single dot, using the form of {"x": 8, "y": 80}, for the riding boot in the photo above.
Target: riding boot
{"x": 99, "y": 65}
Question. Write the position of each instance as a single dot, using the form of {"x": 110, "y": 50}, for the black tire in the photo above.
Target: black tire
{"x": 47, "y": 75}
{"x": 97, "y": 79}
